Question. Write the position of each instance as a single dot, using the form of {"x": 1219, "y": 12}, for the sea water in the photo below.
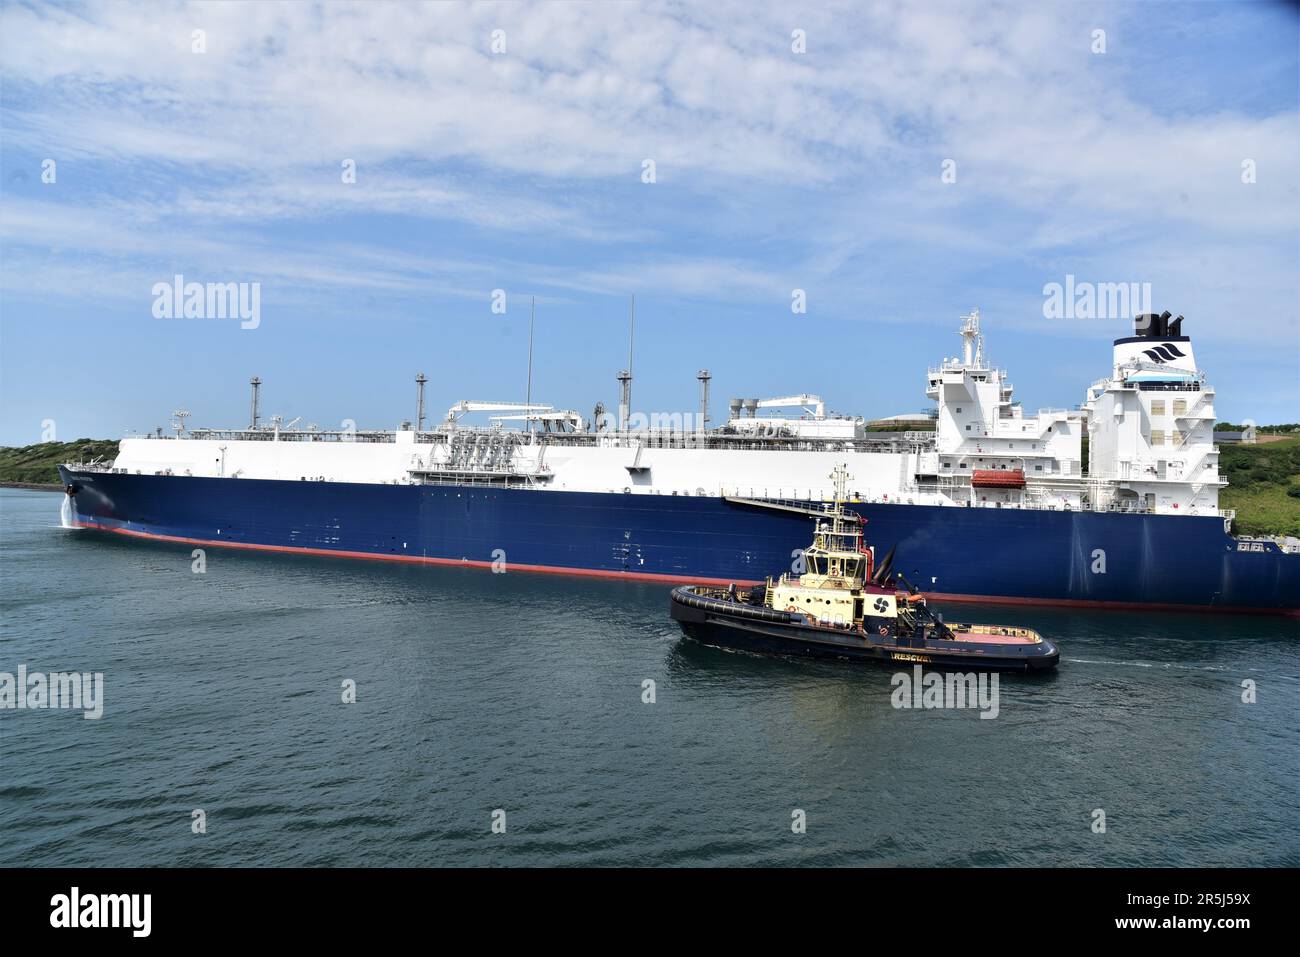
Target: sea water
{"x": 571, "y": 714}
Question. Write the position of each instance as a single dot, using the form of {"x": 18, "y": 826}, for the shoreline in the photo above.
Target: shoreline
{"x": 33, "y": 486}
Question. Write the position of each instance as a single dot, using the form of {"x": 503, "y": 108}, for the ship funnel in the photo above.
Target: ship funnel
{"x": 1149, "y": 345}
{"x": 882, "y": 573}
{"x": 1152, "y": 326}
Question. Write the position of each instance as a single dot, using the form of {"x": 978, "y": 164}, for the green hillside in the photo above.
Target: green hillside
{"x": 1264, "y": 486}
{"x": 36, "y": 464}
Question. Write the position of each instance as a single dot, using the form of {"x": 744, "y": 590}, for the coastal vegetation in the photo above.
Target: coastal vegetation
{"x": 1290, "y": 428}
{"x": 1263, "y": 486}
{"x": 38, "y": 464}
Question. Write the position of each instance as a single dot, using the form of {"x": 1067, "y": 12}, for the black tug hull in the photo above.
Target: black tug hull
{"x": 720, "y": 623}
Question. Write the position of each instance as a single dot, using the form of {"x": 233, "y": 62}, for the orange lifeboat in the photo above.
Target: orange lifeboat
{"x": 998, "y": 478}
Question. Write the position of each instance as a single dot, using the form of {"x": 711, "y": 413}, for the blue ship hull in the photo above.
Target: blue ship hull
{"x": 1026, "y": 555}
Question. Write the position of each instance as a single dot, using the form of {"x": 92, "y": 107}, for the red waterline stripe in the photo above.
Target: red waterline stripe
{"x": 422, "y": 559}
{"x": 685, "y": 579}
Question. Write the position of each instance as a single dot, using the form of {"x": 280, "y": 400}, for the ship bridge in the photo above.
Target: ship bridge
{"x": 1151, "y": 424}
{"x": 987, "y": 451}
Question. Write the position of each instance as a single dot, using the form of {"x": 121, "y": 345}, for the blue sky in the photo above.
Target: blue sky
{"x": 522, "y": 171}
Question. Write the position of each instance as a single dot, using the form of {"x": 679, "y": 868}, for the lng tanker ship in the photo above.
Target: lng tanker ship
{"x": 993, "y": 504}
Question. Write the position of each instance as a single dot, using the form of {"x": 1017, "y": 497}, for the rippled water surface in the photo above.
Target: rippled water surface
{"x": 479, "y": 691}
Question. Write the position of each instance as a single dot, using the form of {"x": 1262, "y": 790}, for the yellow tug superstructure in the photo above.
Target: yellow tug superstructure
{"x": 838, "y": 603}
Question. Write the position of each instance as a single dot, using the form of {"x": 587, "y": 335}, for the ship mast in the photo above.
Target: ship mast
{"x": 625, "y": 377}
{"x": 972, "y": 339}
{"x": 840, "y": 476}
{"x": 836, "y": 550}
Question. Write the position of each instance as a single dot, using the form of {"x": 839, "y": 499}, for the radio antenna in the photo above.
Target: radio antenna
{"x": 625, "y": 377}
{"x": 631, "y": 331}
{"x": 528, "y": 391}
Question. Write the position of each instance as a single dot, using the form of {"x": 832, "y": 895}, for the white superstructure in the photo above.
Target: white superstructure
{"x": 1149, "y": 424}
{"x": 982, "y": 430}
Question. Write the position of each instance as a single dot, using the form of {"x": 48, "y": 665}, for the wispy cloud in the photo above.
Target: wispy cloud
{"x": 774, "y": 169}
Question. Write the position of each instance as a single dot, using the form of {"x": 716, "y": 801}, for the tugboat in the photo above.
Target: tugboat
{"x": 845, "y": 607}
